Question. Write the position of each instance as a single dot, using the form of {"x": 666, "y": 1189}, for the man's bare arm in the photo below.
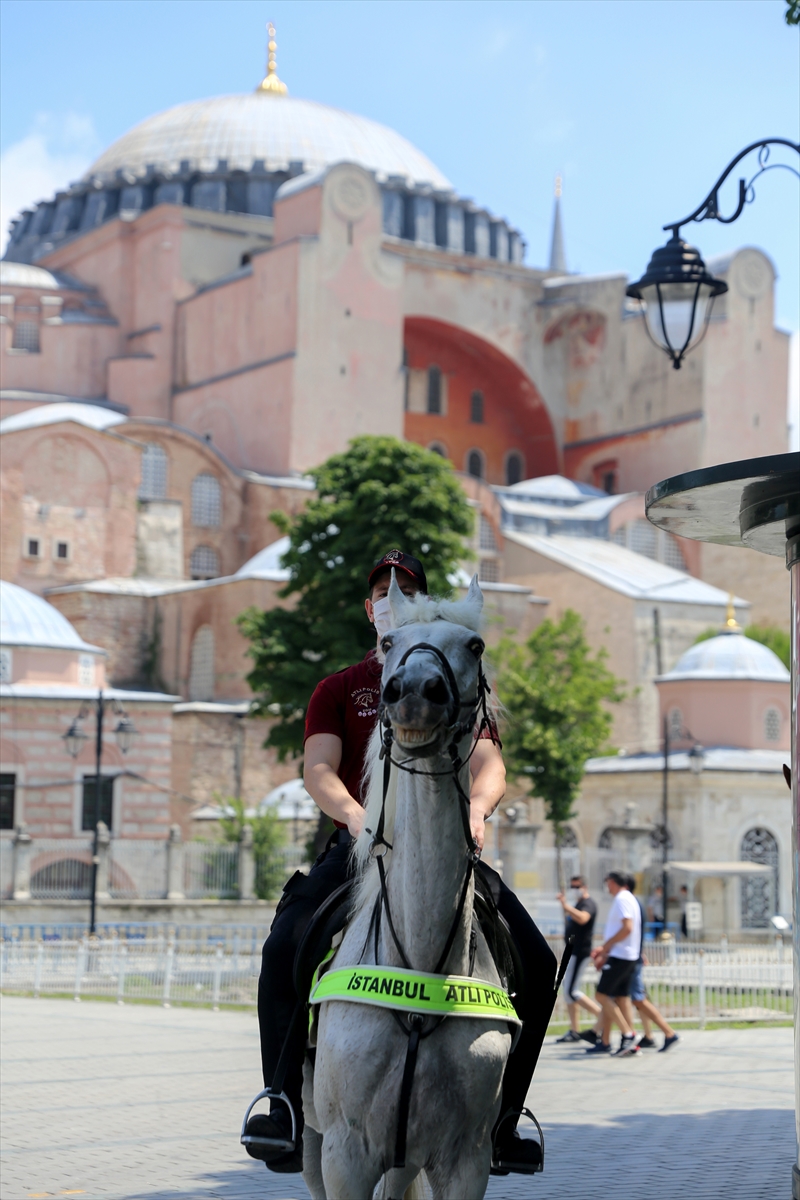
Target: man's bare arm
{"x": 488, "y": 786}
{"x": 323, "y": 754}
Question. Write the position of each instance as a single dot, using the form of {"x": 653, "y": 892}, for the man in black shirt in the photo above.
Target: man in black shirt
{"x": 580, "y": 919}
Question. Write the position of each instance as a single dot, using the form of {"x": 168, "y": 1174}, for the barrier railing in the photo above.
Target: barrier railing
{"x": 708, "y": 984}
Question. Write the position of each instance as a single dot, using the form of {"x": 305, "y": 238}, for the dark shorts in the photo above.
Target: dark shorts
{"x": 616, "y": 977}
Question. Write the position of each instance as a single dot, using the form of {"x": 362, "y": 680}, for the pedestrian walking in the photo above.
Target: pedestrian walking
{"x": 684, "y": 902}
{"x": 616, "y": 960}
{"x": 580, "y": 915}
{"x": 648, "y": 1013}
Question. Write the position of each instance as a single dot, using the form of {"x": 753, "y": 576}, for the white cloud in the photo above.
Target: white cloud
{"x": 56, "y": 152}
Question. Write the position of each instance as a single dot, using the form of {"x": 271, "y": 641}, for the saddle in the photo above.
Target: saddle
{"x": 330, "y": 919}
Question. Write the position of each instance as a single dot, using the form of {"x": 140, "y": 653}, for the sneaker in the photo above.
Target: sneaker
{"x": 589, "y": 1035}
{"x": 668, "y": 1041}
{"x": 646, "y": 1043}
{"x": 599, "y": 1048}
{"x": 569, "y": 1036}
{"x": 627, "y": 1046}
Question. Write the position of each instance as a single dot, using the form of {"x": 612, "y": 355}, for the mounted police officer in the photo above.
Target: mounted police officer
{"x": 340, "y": 720}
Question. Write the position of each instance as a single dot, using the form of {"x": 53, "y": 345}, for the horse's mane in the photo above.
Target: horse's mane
{"x": 410, "y": 610}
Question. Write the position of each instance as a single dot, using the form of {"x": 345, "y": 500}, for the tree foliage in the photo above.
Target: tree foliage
{"x": 269, "y": 838}
{"x": 775, "y": 639}
{"x": 379, "y": 494}
{"x": 792, "y": 14}
{"x": 555, "y": 692}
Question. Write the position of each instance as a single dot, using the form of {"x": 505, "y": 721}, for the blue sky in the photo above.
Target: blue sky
{"x": 638, "y": 103}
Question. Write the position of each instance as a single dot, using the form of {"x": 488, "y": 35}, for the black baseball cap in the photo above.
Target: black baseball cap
{"x": 401, "y": 562}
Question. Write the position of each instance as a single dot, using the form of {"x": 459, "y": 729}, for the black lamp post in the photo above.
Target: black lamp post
{"x": 677, "y": 291}
{"x": 74, "y": 740}
{"x": 696, "y": 765}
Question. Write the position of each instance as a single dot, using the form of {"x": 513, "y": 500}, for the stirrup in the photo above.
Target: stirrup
{"x": 501, "y": 1168}
{"x": 280, "y": 1144}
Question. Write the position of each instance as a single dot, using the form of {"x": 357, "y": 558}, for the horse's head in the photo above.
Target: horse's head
{"x": 432, "y": 668}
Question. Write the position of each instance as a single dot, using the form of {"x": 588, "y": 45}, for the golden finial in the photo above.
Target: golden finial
{"x": 731, "y": 624}
{"x": 558, "y": 187}
{"x": 270, "y": 82}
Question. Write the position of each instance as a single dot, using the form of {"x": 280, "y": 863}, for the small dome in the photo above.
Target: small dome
{"x": 729, "y": 656}
{"x": 13, "y": 274}
{"x": 240, "y": 131}
{"x": 27, "y": 620}
{"x": 267, "y": 563}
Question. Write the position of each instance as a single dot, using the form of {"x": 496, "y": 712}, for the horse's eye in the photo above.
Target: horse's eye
{"x": 386, "y": 644}
{"x": 476, "y": 647}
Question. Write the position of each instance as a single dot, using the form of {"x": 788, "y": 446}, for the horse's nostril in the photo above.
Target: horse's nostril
{"x": 391, "y": 692}
{"x": 435, "y": 690}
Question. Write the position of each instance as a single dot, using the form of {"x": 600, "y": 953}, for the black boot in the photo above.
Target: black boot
{"x": 277, "y": 1127}
{"x": 512, "y": 1153}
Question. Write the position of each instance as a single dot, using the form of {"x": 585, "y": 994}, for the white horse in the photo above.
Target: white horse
{"x": 352, "y": 1097}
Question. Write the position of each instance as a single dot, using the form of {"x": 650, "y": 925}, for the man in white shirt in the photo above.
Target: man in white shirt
{"x": 616, "y": 961}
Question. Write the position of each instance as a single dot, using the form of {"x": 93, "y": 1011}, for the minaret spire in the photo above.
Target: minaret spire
{"x": 270, "y": 83}
{"x": 558, "y": 259}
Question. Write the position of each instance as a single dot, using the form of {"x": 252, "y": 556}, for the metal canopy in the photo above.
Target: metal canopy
{"x": 720, "y": 868}
{"x": 751, "y": 503}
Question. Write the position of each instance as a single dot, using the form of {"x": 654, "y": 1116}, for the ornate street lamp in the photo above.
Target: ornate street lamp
{"x": 74, "y": 740}
{"x": 677, "y": 292}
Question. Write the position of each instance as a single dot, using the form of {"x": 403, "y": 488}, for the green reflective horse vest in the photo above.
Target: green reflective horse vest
{"x": 416, "y": 991}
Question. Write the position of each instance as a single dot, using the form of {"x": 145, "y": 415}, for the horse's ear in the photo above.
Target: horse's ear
{"x": 399, "y": 604}
{"x": 474, "y": 596}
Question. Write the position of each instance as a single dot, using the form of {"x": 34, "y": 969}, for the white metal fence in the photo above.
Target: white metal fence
{"x": 712, "y": 983}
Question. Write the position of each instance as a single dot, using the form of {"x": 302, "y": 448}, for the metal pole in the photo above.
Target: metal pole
{"x": 98, "y": 760}
{"x": 664, "y": 811}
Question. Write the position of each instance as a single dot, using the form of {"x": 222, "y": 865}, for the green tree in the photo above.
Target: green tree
{"x": 777, "y": 640}
{"x": 269, "y": 838}
{"x": 380, "y": 493}
{"x": 555, "y": 692}
{"x": 792, "y": 14}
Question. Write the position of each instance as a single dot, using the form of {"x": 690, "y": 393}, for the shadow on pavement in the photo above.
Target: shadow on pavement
{"x": 677, "y": 1156}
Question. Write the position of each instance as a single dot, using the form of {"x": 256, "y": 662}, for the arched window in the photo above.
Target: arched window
{"x": 154, "y": 473}
{"x": 606, "y": 840}
{"x": 434, "y": 389}
{"x": 759, "y": 892}
{"x": 514, "y": 469}
{"x": 475, "y": 464}
{"x": 206, "y": 502}
{"x": 657, "y": 839}
{"x": 204, "y": 563}
{"x": 568, "y": 839}
{"x": 476, "y": 408}
{"x": 772, "y": 725}
{"x": 201, "y": 668}
{"x": 438, "y": 448}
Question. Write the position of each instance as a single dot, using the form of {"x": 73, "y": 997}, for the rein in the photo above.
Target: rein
{"x": 457, "y": 729}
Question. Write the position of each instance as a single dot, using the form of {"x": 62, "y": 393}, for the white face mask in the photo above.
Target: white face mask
{"x": 382, "y": 616}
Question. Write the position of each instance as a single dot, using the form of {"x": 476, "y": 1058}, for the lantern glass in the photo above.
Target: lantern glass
{"x": 696, "y": 759}
{"x": 125, "y": 733}
{"x": 74, "y": 739}
{"x": 677, "y": 313}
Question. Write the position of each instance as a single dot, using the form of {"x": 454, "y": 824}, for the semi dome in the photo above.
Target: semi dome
{"x": 28, "y": 620}
{"x": 276, "y": 131}
{"x": 730, "y": 655}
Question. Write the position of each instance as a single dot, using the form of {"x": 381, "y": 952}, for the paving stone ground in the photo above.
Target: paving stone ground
{"x": 145, "y": 1103}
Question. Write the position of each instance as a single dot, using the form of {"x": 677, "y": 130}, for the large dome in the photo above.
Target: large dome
{"x": 262, "y": 128}
{"x": 729, "y": 656}
{"x": 28, "y": 620}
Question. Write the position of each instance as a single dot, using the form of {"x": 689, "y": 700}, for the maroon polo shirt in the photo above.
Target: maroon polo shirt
{"x": 346, "y": 704}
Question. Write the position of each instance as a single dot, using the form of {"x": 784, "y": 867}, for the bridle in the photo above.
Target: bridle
{"x": 457, "y": 728}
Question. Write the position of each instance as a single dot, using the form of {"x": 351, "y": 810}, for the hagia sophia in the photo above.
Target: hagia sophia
{"x": 237, "y": 287}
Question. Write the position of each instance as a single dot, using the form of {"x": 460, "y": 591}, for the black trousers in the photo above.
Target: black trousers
{"x": 277, "y": 999}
